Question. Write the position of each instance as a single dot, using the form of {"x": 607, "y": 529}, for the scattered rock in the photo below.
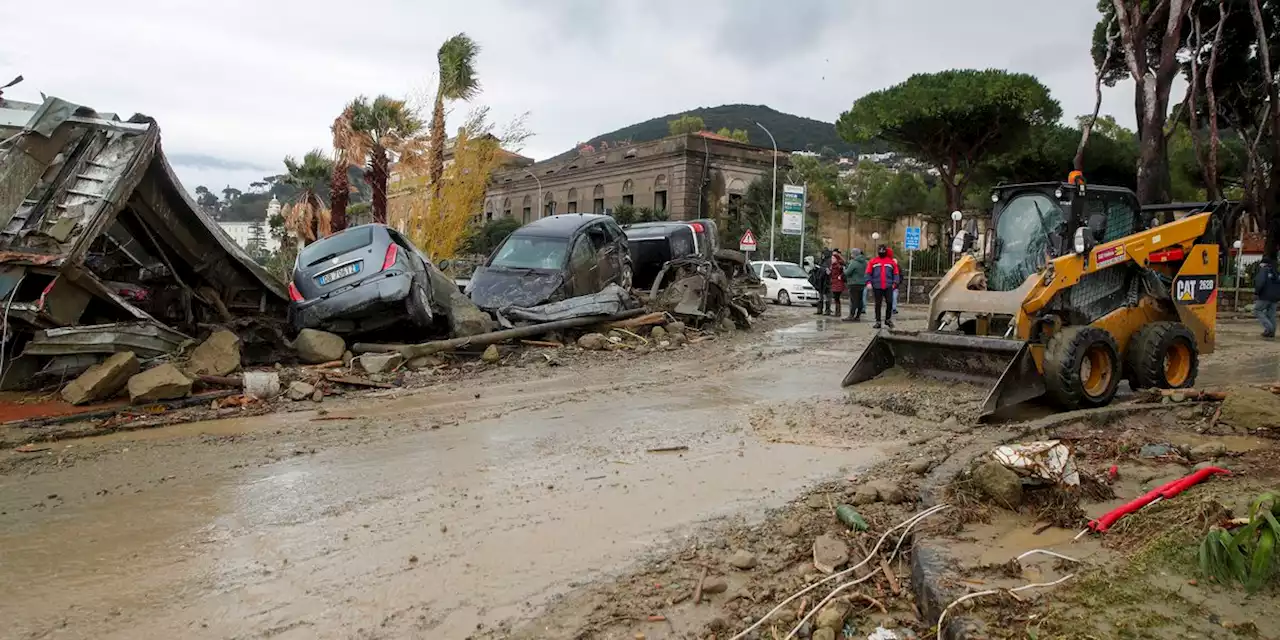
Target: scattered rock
{"x": 379, "y": 362}
{"x": 593, "y": 342}
{"x": 658, "y": 333}
{"x": 866, "y": 494}
{"x": 665, "y": 344}
{"x": 829, "y": 553}
{"x": 1156, "y": 451}
{"x": 1208, "y": 451}
{"x": 727, "y": 326}
{"x": 262, "y": 384}
{"x": 318, "y": 396}
{"x": 790, "y": 528}
{"x": 999, "y": 483}
{"x": 805, "y": 631}
{"x": 1210, "y": 463}
{"x": 824, "y": 633}
{"x": 424, "y": 362}
{"x": 347, "y": 357}
{"x": 950, "y": 423}
{"x": 744, "y": 560}
{"x": 1187, "y": 415}
{"x": 675, "y": 327}
{"x": 299, "y": 390}
{"x": 715, "y": 585}
{"x": 1251, "y": 408}
{"x": 831, "y": 617}
{"x": 102, "y": 380}
{"x": 920, "y": 466}
{"x": 217, "y": 356}
{"x": 164, "y": 382}
{"x": 890, "y": 492}
{"x": 1177, "y": 397}
{"x": 491, "y": 355}
{"x": 678, "y": 339}
{"x": 316, "y": 347}
{"x": 816, "y": 501}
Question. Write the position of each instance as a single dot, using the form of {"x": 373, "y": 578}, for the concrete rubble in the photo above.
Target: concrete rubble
{"x": 165, "y": 382}
{"x": 102, "y": 380}
{"x": 219, "y": 355}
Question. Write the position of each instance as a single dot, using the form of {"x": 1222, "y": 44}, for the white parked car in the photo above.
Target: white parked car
{"x": 786, "y": 282}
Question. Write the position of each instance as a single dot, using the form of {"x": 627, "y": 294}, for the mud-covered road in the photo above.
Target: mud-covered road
{"x": 439, "y": 512}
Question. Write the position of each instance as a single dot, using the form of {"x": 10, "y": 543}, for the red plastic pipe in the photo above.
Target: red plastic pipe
{"x": 1164, "y": 491}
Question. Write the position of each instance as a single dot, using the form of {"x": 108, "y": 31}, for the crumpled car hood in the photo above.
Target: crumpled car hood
{"x": 493, "y": 289}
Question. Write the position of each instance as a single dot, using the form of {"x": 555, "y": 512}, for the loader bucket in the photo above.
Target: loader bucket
{"x": 1001, "y": 365}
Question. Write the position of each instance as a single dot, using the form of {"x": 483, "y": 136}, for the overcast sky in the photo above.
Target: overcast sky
{"x": 236, "y": 85}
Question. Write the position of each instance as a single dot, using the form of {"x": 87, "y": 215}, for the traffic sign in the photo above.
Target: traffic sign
{"x": 748, "y": 241}
{"x": 912, "y": 241}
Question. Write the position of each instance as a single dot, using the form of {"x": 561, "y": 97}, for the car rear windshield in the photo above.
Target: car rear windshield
{"x": 531, "y": 252}
{"x": 335, "y": 246}
{"x": 789, "y": 270}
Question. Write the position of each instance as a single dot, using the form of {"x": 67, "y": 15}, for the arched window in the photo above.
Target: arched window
{"x": 526, "y": 213}
{"x": 597, "y": 199}
{"x": 660, "y": 193}
{"x": 571, "y": 206}
{"x": 488, "y": 211}
{"x": 506, "y": 207}
{"x": 549, "y": 204}
{"x": 628, "y": 197}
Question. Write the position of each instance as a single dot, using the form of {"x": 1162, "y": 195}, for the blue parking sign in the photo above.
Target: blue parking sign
{"x": 912, "y": 241}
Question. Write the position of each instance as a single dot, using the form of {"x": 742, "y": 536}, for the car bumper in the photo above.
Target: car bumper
{"x": 352, "y": 304}
{"x": 803, "y": 296}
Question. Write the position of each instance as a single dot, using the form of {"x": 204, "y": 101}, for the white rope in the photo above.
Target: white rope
{"x": 1035, "y": 585}
{"x": 1047, "y": 553}
{"x": 906, "y": 523}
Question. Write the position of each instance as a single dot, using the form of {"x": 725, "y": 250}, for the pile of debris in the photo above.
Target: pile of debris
{"x": 102, "y": 252}
{"x": 706, "y": 291}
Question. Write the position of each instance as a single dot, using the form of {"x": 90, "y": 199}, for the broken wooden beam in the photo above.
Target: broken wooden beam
{"x": 493, "y": 337}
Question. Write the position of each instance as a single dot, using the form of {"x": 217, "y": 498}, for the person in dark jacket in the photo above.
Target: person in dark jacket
{"x": 882, "y": 279}
{"x": 820, "y": 278}
{"x": 855, "y": 278}
{"x": 1266, "y": 287}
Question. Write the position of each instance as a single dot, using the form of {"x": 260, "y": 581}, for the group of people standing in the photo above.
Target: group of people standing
{"x": 861, "y": 277}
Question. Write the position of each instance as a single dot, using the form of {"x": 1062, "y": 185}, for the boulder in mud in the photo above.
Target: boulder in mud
{"x": 832, "y": 616}
{"x": 866, "y": 494}
{"x": 164, "y": 382}
{"x": 593, "y": 342}
{"x": 675, "y": 327}
{"x": 920, "y": 466}
{"x": 316, "y": 347}
{"x": 744, "y": 560}
{"x": 715, "y": 585}
{"x": 824, "y": 633}
{"x": 998, "y": 483}
{"x": 491, "y": 355}
{"x": 299, "y": 390}
{"x": 658, "y": 333}
{"x": 829, "y": 553}
{"x": 102, "y": 380}
{"x": 790, "y": 528}
{"x": 890, "y": 491}
{"x": 379, "y": 362}
{"x": 1208, "y": 451}
{"x": 425, "y": 362}
{"x": 219, "y": 355}
{"x": 262, "y": 384}
{"x": 1251, "y": 408}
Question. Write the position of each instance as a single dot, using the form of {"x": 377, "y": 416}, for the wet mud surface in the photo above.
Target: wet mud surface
{"x": 524, "y": 501}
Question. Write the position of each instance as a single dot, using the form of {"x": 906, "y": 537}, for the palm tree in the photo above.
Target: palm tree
{"x": 350, "y": 148}
{"x": 458, "y": 81}
{"x": 307, "y": 217}
{"x": 389, "y": 126}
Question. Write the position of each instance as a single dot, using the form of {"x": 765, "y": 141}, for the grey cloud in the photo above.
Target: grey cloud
{"x": 205, "y": 161}
{"x": 764, "y": 31}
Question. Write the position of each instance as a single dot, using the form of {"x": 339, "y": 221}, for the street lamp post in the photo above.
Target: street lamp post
{"x": 773, "y": 204}
{"x": 1238, "y": 245}
{"x": 540, "y": 204}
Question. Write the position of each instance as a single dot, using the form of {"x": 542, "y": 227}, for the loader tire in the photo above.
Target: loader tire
{"x": 1163, "y": 355}
{"x": 1081, "y": 367}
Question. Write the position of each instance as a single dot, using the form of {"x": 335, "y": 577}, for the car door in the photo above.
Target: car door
{"x": 583, "y": 269}
{"x": 771, "y": 281}
{"x": 608, "y": 257}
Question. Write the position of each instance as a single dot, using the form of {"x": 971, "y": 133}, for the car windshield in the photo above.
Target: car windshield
{"x": 1024, "y": 246}
{"x": 789, "y": 270}
{"x": 335, "y": 245}
{"x": 531, "y": 252}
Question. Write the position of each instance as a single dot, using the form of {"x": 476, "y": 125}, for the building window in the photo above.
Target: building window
{"x": 488, "y": 216}
{"x": 506, "y": 213}
{"x": 597, "y": 205}
{"x": 550, "y": 209}
{"x": 628, "y": 200}
{"x": 659, "y": 200}
{"x": 571, "y": 207}
{"x": 524, "y": 218}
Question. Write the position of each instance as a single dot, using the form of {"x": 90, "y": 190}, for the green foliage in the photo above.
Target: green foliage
{"x": 1049, "y": 153}
{"x": 885, "y": 194}
{"x": 741, "y": 135}
{"x": 685, "y": 124}
{"x": 456, "y": 57}
{"x": 1248, "y": 555}
{"x": 490, "y": 235}
{"x": 793, "y": 133}
{"x": 752, "y": 212}
{"x": 953, "y": 120}
{"x": 821, "y": 176}
{"x": 310, "y": 175}
{"x": 649, "y": 214}
{"x": 624, "y": 214}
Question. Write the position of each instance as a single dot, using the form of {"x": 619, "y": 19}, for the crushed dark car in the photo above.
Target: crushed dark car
{"x": 653, "y": 244}
{"x": 361, "y": 279}
{"x": 553, "y": 259}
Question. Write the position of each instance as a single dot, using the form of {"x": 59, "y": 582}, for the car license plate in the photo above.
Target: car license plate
{"x": 339, "y": 273}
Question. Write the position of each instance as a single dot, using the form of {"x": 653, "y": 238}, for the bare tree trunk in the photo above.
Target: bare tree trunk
{"x": 339, "y": 195}
{"x": 1193, "y": 98}
{"x": 438, "y": 141}
{"x": 1087, "y": 127}
{"x": 1215, "y": 141}
{"x": 378, "y": 171}
{"x": 1272, "y": 204}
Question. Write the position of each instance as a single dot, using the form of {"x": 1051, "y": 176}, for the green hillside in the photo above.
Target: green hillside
{"x": 793, "y": 133}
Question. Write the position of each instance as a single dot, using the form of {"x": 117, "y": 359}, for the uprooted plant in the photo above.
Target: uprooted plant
{"x": 1247, "y": 554}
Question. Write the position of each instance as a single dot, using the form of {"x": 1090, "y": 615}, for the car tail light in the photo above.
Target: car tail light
{"x": 697, "y": 226}
{"x": 294, "y": 294}
{"x": 392, "y": 252}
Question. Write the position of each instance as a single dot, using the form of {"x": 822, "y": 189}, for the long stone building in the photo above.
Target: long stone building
{"x": 663, "y": 175}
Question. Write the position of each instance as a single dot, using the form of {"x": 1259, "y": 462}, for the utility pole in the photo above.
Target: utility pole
{"x": 773, "y": 204}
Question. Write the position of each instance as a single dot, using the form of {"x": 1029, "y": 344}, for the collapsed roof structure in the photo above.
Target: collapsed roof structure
{"x": 97, "y": 232}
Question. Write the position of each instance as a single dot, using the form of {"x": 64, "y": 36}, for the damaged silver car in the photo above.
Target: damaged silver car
{"x": 361, "y": 279}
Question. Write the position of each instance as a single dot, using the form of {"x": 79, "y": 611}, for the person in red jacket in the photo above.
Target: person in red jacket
{"x": 837, "y": 279}
{"x": 882, "y": 278}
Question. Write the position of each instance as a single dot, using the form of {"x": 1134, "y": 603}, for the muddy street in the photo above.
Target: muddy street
{"x": 427, "y": 513}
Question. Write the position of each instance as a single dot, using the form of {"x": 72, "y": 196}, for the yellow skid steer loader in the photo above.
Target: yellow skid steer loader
{"x": 1073, "y": 289}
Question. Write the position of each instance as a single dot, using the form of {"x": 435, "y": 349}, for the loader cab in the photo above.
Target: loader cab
{"x": 1035, "y": 223}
